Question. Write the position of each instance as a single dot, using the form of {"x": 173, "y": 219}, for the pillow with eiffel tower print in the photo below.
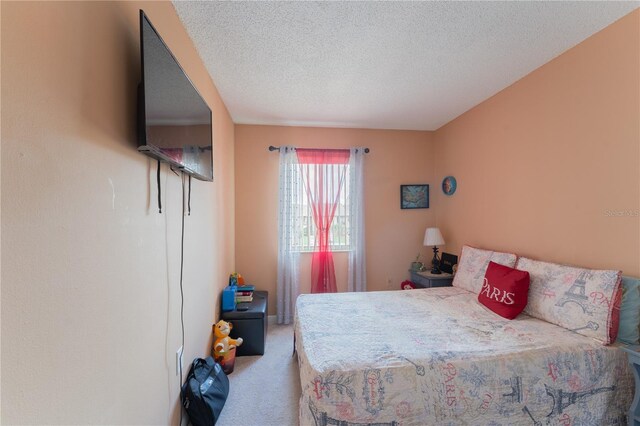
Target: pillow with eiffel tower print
{"x": 586, "y": 301}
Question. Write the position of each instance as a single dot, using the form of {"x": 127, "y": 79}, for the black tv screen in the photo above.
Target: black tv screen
{"x": 174, "y": 122}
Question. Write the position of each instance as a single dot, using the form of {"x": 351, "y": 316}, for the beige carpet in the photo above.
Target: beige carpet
{"x": 265, "y": 390}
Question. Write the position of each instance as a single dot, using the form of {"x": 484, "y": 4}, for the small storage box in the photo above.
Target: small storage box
{"x": 251, "y": 325}
{"x": 229, "y": 298}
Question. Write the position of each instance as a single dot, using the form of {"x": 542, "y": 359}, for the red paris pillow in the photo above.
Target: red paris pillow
{"x": 504, "y": 290}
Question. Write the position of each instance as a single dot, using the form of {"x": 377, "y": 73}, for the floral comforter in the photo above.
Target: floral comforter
{"x": 438, "y": 357}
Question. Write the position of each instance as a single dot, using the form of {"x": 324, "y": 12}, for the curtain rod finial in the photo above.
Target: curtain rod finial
{"x": 273, "y": 148}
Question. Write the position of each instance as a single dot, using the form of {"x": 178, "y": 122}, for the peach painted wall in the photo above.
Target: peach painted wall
{"x": 393, "y": 236}
{"x": 546, "y": 166}
{"x": 90, "y": 290}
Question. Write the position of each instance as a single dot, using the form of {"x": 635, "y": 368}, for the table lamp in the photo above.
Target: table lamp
{"x": 433, "y": 237}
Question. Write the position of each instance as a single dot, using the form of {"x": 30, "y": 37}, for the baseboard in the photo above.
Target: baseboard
{"x": 272, "y": 319}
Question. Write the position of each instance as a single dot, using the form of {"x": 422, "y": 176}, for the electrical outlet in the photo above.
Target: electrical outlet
{"x": 179, "y": 361}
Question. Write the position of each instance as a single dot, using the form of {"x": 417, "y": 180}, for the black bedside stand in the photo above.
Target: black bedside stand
{"x": 251, "y": 325}
{"x": 427, "y": 280}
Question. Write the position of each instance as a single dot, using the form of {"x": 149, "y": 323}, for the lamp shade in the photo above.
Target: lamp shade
{"x": 433, "y": 237}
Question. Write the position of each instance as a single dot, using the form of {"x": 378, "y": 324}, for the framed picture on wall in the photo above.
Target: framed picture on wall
{"x": 414, "y": 196}
{"x": 449, "y": 185}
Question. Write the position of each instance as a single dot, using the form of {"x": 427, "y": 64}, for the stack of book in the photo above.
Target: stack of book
{"x": 244, "y": 293}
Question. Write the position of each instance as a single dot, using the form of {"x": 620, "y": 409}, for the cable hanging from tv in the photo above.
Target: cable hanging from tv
{"x": 160, "y": 190}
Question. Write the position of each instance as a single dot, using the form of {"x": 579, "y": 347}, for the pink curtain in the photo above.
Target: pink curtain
{"x": 323, "y": 176}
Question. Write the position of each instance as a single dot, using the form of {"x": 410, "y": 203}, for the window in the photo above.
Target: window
{"x": 304, "y": 236}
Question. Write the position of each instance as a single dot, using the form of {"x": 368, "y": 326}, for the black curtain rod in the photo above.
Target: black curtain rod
{"x": 277, "y": 148}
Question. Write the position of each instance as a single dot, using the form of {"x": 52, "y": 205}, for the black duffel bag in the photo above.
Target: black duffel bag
{"x": 205, "y": 392}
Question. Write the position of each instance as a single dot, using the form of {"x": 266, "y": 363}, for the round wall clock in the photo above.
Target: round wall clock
{"x": 449, "y": 185}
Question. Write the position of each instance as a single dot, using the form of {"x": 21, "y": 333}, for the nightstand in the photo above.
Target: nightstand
{"x": 426, "y": 279}
{"x": 634, "y": 360}
{"x": 251, "y": 324}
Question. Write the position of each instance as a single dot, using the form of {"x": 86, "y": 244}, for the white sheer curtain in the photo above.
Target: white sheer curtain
{"x": 357, "y": 263}
{"x": 288, "y": 221}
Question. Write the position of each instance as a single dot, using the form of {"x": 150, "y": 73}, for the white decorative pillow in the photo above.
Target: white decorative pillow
{"x": 582, "y": 300}
{"x": 473, "y": 265}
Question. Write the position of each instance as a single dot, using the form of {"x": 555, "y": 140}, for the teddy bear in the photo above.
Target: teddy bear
{"x": 223, "y": 343}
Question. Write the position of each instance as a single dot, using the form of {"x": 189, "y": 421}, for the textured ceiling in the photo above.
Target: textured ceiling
{"x": 383, "y": 65}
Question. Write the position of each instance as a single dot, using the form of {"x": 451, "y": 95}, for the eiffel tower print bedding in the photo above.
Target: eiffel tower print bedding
{"x": 438, "y": 357}
{"x": 579, "y": 299}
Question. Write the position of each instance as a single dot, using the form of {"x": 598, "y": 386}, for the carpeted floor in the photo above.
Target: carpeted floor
{"x": 265, "y": 390}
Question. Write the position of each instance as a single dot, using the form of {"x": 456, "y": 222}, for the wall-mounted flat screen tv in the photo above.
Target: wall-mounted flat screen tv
{"x": 174, "y": 122}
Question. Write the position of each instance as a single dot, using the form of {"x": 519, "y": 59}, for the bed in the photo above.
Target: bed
{"x": 437, "y": 357}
